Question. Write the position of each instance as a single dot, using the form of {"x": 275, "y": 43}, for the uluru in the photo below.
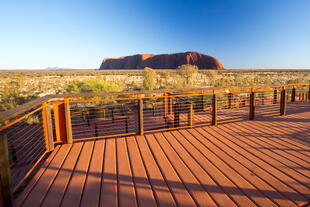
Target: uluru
{"x": 162, "y": 61}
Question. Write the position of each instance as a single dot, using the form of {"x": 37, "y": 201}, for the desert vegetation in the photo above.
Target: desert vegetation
{"x": 18, "y": 87}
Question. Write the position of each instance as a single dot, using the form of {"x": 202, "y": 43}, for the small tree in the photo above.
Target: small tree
{"x": 187, "y": 71}
{"x": 149, "y": 79}
{"x": 212, "y": 74}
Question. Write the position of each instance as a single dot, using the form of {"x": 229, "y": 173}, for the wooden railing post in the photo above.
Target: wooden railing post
{"x": 5, "y": 173}
{"x": 252, "y": 104}
{"x": 140, "y": 114}
{"x": 214, "y": 109}
{"x": 293, "y": 94}
{"x": 190, "y": 115}
{"x": 48, "y": 128}
{"x": 68, "y": 120}
{"x": 275, "y": 96}
{"x": 283, "y": 102}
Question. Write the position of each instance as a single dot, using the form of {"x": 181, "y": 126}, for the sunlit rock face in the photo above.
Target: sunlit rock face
{"x": 162, "y": 61}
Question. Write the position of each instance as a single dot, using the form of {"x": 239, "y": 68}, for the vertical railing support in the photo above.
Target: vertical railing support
{"x": 68, "y": 120}
{"x": 214, "y": 109}
{"x": 230, "y": 97}
{"x": 170, "y": 104}
{"x": 5, "y": 173}
{"x": 190, "y": 115}
{"x": 293, "y": 94}
{"x": 165, "y": 105}
{"x": 140, "y": 114}
{"x": 252, "y": 104}
{"x": 309, "y": 93}
{"x": 283, "y": 102}
{"x": 275, "y": 96}
{"x": 48, "y": 128}
{"x": 176, "y": 113}
{"x": 202, "y": 104}
{"x": 154, "y": 108}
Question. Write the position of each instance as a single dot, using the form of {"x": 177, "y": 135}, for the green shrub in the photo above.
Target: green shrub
{"x": 149, "y": 79}
{"x": 93, "y": 85}
{"x": 11, "y": 96}
{"x": 33, "y": 119}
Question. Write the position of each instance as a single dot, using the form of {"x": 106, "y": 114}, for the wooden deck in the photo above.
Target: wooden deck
{"x": 265, "y": 162}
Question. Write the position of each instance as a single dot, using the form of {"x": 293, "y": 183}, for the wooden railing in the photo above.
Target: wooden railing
{"x": 28, "y": 133}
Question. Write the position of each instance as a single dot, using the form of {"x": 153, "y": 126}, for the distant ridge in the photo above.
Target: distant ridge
{"x": 162, "y": 61}
{"x": 57, "y": 68}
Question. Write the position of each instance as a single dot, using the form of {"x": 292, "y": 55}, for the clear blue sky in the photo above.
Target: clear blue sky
{"x": 79, "y": 34}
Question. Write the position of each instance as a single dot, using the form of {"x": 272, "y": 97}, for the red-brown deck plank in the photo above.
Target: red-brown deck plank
{"x": 208, "y": 184}
{"x": 181, "y": 194}
{"x": 248, "y": 191}
{"x": 126, "y": 194}
{"x": 201, "y": 197}
{"x": 280, "y": 157}
{"x": 284, "y": 136}
{"x": 58, "y": 188}
{"x": 75, "y": 188}
{"x": 291, "y": 134}
{"x": 43, "y": 185}
{"x": 143, "y": 188}
{"x": 271, "y": 136}
{"x": 109, "y": 191}
{"x": 197, "y": 151}
{"x": 233, "y": 159}
{"x": 270, "y": 165}
{"x": 260, "y": 167}
{"x": 91, "y": 194}
{"x": 161, "y": 190}
{"x": 22, "y": 197}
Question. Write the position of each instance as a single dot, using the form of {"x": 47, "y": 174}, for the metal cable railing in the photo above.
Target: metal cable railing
{"x": 101, "y": 119}
{"x": 26, "y": 144}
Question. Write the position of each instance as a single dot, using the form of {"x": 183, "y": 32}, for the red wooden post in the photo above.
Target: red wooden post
{"x": 5, "y": 174}
{"x": 48, "y": 128}
{"x": 68, "y": 120}
{"x": 283, "y": 102}
{"x": 252, "y": 104}
{"x": 293, "y": 94}
{"x": 140, "y": 114}
{"x": 214, "y": 109}
{"x": 62, "y": 119}
{"x": 190, "y": 114}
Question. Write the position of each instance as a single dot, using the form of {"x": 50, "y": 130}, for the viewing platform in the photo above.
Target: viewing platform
{"x": 222, "y": 147}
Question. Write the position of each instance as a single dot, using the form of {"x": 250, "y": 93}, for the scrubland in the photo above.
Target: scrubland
{"x": 17, "y": 87}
